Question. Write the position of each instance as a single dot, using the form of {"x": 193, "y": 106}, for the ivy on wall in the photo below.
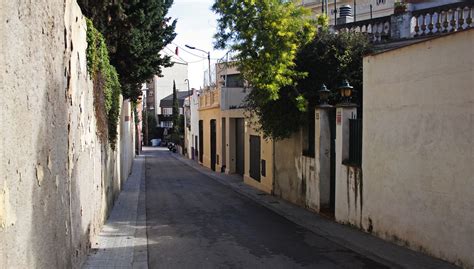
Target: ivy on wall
{"x": 107, "y": 88}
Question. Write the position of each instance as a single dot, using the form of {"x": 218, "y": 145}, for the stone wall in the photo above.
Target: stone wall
{"x": 57, "y": 180}
{"x": 418, "y": 146}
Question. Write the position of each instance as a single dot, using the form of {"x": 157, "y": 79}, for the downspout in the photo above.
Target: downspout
{"x": 273, "y": 168}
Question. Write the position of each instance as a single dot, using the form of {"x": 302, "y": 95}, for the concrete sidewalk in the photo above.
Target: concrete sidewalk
{"x": 122, "y": 243}
{"x": 366, "y": 244}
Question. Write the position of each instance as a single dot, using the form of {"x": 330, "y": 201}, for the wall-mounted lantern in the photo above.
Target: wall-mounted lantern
{"x": 323, "y": 95}
{"x": 345, "y": 90}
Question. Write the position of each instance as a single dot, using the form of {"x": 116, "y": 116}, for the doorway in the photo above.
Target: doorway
{"x": 239, "y": 146}
{"x": 213, "y": 144}
{"x": 201, "y": 141}
{"x": 255, "y": 157}
{"x": 224, "y": 146}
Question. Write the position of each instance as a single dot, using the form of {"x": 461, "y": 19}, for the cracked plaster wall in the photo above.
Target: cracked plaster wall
{"x": 57, "y": 180}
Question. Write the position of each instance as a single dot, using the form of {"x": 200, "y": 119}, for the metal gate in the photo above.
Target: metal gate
{"x": 239, "y": 146}
{"x": 255, "y": 157}
{"x": 213, "y": 144}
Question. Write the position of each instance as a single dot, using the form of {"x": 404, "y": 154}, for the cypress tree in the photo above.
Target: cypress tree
{"x": 175, "y": 114}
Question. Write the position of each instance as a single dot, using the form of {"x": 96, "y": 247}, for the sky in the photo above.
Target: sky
{"x": 196, "y": 27}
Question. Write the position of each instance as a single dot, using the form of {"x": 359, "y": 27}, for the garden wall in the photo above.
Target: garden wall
{"x": 58, "y": 181}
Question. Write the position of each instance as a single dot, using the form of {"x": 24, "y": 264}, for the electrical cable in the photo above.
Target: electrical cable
{"x": 204, "y": 57}
{"x": 187, "y": 62}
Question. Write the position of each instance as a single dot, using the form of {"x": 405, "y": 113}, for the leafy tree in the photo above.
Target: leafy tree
{"x": 135, "y": 31}
{"x": 266, "y": 36}
{"x": 328, "y": 59}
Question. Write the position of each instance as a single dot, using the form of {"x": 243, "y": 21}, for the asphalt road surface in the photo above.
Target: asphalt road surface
{"x": 195, "y": 222}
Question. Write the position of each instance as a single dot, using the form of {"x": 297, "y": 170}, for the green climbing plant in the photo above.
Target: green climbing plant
{"x": 107, "y": 88}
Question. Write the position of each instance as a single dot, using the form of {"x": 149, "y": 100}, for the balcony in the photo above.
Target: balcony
{"x": 209, "y": 99}
{"x": 415, "y": 24}
{"x": 233, "y": 97}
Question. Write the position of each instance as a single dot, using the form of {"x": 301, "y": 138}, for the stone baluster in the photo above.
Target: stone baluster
{"x": 438, "y": 22}
{"x": 453, "y": 21}
{"x": 430, "y": 25}
{"x": 379, "y": 32}
{"x": 423, "y": 25}
{"x": 417, "y": 27}
{"x": 445, "y": 22}
{"x": 461, "y": 18}
{"x": 469, "y": 18}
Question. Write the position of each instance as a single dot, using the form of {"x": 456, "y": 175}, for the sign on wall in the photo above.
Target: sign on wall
{"x": 338, "y": 117}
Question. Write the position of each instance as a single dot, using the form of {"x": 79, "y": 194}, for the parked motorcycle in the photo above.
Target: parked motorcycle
{"x": 172, "y": 146}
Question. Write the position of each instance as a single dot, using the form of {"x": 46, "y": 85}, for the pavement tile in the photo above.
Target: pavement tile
{"x": 117, "y": 242}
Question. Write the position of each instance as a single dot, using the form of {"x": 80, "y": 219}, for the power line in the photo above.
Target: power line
{"x": 188, "y": 62}
{"x": 203, "y": 57}
{"x": 175, "y": 55}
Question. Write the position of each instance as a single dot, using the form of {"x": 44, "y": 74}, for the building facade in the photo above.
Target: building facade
{"x": 418, "y": 148}
{"x": 191, "y": 120}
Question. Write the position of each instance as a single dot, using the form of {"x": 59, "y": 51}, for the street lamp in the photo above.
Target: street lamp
{"x": 345, "y": 90}
{"x": 323, "y": 95}
{"x": 208, "y": 60}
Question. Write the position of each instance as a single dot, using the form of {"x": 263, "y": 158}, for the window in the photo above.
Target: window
{"x": 308, "y": 135}
{"x": 166, "y": 111}
{"x": 167, "y": 124}
{"x": 234, "y": 81}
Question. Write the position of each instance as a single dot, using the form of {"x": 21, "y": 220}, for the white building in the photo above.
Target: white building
{"x": 164, "y": 85}
{"x": 191, "y": 121}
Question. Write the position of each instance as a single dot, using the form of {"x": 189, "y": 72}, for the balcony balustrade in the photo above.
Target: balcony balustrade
{"x": 209, "y": 99}
{"x": 412, "y": 24}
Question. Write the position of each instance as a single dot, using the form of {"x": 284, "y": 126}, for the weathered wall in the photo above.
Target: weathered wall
{"x": 294, "y": 172}
{"x": 349, "y": 181}
{"x": 57, "y": 180}
{"x": 418, "y": 146}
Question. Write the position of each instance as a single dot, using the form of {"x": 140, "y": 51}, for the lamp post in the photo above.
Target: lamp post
{"x": 345, "y": 90}
{"x": 208, "y": 60}
{"x": 324, "y": 96}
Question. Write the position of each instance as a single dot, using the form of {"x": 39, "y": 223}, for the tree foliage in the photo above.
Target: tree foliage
{"x": 135, "y": 31}
{"x": 266, "y": 36}
{"x": 328, "y": 59}
{"x": 175, "y": 110}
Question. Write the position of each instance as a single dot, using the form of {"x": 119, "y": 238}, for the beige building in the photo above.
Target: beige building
{"x": 418, "y": 131}
{"x": 210, "y": 129}
{"x": 228, "y": 142}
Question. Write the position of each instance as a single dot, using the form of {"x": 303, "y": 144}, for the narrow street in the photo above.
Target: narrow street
{"x": 195, "y": 222}
{"x": 173, "y": 213}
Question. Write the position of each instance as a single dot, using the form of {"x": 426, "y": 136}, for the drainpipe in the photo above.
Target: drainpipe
{"x": 273, "y": 168}
{"x": 355, "y": 11}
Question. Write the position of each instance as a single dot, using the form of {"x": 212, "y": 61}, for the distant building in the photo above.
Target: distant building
{"x": 165, "y": 119}
{"x": 178, "y": 73}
